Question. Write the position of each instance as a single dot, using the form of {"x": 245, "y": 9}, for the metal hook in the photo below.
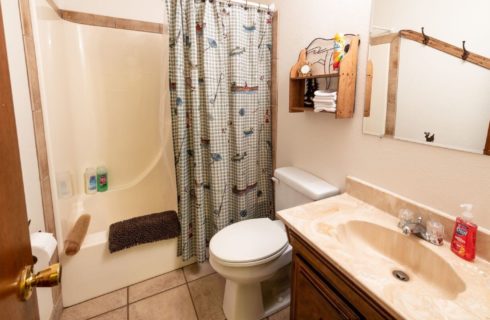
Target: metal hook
{"x": 466, "y": 53}
{"x": 426, "y": 38}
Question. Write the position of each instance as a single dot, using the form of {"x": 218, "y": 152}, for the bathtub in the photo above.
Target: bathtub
{"x": 94, "y": 271}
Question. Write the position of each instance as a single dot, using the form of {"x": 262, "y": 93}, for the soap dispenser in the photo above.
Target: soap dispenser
{"x": 463, "y": 243}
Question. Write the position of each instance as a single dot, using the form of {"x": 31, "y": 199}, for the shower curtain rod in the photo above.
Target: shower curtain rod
{"x": 270, "y": 7}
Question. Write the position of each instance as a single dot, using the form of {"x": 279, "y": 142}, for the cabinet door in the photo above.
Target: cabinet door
{"x": 313, "y": 299}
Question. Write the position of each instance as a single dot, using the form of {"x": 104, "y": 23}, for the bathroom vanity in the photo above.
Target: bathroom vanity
{"x": 321, "y": 291}
{"x": 351, "y": 260}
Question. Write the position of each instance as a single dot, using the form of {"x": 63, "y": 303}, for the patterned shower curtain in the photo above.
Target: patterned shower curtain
{"x": 220, "y": 78}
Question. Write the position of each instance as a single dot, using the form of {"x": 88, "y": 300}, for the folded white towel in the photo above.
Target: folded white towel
{"x": 329, "y": 100}
{"x": 334, "y": 96}
{"x": 325, "y": 97}
{"x": 325, "y": 93}
{"x": 324, "y": 104}
{"x": 325, "y": 109}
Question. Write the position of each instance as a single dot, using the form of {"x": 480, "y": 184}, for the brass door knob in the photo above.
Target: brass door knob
{"x": 48, "y": 277}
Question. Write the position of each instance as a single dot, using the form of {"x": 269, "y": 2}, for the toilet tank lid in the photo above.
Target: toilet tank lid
{"x": 305, "y": 183}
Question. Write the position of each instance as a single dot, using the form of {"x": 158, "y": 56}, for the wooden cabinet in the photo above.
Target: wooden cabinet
{"x": 320, "y": 291}
{"x": 316, "y": 299}
{"x": 345, "y": 78}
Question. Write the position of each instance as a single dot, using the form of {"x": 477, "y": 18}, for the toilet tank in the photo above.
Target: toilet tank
{"x": 294, "y": 187}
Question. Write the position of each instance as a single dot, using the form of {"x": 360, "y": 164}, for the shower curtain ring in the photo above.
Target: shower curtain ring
{"x": 229, "y": 3}
{"x": 246, "y": 4}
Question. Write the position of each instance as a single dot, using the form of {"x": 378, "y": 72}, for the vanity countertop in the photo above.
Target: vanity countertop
{"x": 448, "y": 287}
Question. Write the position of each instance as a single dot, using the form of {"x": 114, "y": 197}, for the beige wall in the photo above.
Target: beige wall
{"x": 144, "y": 10}
{"x": 333, "y": 148}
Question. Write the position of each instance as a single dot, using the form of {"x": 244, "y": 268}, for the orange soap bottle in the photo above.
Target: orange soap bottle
{"x": 464, "y": 235}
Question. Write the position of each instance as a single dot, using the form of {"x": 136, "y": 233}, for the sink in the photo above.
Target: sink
{"x": 382, "y": 247}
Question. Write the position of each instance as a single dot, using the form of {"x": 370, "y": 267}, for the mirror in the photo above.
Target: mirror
{"x": 419, "y": 86}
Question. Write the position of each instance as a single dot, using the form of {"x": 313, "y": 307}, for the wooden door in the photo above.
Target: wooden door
{"x": 15, "y": 248}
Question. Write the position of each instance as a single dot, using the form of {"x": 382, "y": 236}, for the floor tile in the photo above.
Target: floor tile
{"x": 169, "y": 305}
{"x": 96, "y": 306}
{"x": 119, "y": 314}
{"x": 207, "y": 294}
{"x": 281, "y": 315}
{"x": 197, "y": 270}
{"x": 156, "y": 285}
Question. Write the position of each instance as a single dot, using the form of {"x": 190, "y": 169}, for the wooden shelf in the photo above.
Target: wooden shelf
{"x": 318, "y": 76}
{"x": 308, "y": 109}
{"x": 346, "y": 89}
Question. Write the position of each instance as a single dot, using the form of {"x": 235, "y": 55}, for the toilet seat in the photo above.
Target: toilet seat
{"x": 248, "y": 243}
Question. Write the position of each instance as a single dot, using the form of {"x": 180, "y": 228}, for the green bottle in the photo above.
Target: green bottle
{"x": 102, "y": 182}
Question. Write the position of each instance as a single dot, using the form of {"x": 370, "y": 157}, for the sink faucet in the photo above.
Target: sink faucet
{"x": 417, "y": 228}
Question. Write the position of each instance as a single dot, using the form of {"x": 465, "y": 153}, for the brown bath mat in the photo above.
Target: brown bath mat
{"x": 144, "y": 229}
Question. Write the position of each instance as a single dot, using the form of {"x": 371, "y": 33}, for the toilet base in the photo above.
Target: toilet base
{"x": 258, "y": 300}
{"x": 250, "y": 298}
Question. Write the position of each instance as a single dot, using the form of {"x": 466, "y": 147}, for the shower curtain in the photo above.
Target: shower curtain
{"x": 220, "y": 78}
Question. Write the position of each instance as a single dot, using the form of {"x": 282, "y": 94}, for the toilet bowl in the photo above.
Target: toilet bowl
{"x": 254, "y": 255}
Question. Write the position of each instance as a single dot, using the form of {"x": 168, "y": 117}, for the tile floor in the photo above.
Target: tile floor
{"x": 191, "y": 293}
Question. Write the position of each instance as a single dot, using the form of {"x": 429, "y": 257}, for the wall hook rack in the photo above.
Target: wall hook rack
{"x": 458, "y": 52}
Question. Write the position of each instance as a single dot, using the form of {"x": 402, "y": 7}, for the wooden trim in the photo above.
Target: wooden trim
{"x": 369, "y": 88}
{"x": 486, "y": 151}
{"x": 346, "y": 92}
{"x": 294, "y": 72}
{"x": 111, "y": 22}
{"x": 108, "y": 22}
{"x": 274, "y": 90}
{"x": 383, "y": 38}
{"x": 392, "y": 86}
{"x": 37, "y": 115}
{"x": 446, "y": 48}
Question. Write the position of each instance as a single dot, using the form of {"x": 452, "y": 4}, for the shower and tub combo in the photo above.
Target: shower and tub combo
{"x": 104, "y": 100}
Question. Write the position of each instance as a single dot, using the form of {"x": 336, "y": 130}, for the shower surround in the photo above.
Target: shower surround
{"x": 104, "y": 97}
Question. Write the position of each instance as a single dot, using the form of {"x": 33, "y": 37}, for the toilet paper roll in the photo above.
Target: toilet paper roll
{"x": 43, "y": 245}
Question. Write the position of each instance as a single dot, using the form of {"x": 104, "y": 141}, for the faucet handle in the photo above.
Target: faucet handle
{"x": 435, "y": 232}
{"x": 405, "y": 216}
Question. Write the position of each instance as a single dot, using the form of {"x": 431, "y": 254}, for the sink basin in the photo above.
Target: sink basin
{"x": 426, "y": 269}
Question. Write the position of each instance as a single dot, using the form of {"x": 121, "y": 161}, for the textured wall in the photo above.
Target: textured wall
{"x": 333, "y": 148}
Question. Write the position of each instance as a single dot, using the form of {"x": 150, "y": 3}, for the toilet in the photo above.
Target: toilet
{"x": 254, "y": 256}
